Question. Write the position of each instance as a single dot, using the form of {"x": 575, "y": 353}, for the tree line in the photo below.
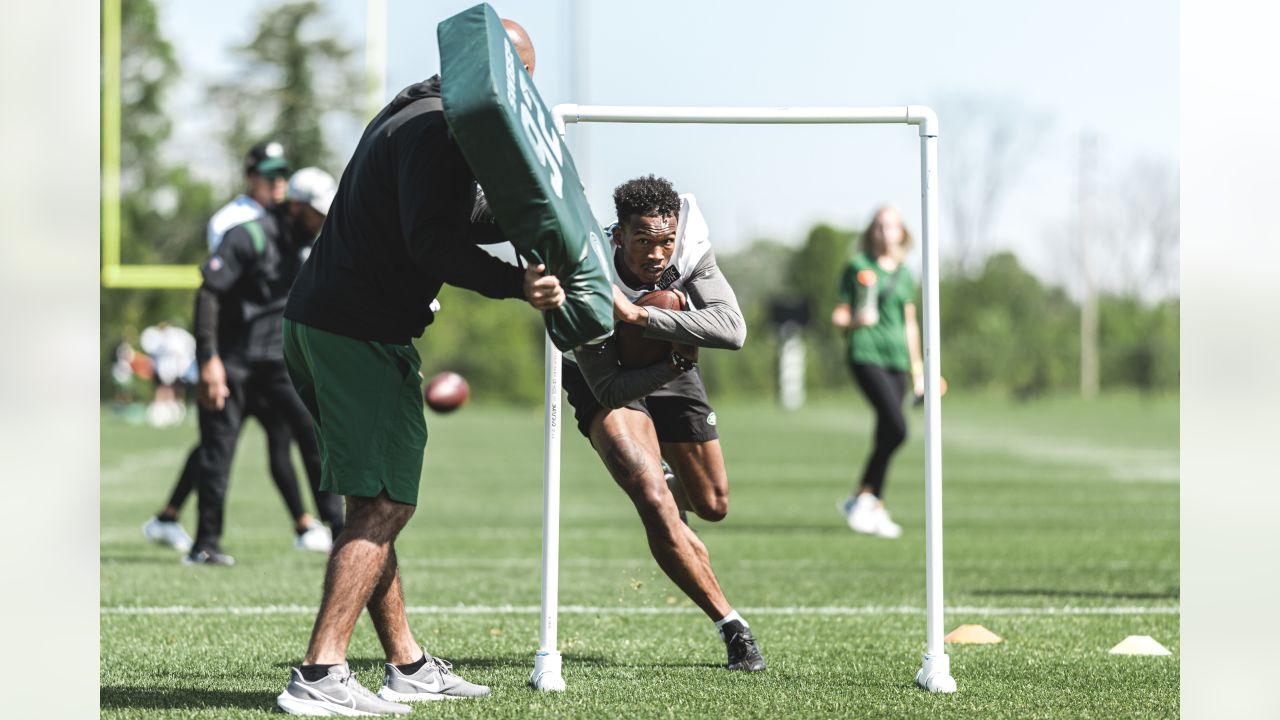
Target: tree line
{"x": 1003, "y": 328}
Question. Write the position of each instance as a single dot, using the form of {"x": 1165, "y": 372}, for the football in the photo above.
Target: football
{"x": 634, "y": 349}
{"x": 446, "y": 392}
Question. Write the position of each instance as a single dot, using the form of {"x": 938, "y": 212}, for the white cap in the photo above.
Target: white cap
{"x": 312, "y": 186}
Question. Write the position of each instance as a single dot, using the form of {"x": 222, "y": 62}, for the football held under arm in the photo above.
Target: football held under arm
{"x": 613, "y": 386}
{"x": 716, "y": 323}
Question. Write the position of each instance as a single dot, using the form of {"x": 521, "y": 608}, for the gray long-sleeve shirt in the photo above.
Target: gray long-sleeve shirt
{"x": 717, "y": 323}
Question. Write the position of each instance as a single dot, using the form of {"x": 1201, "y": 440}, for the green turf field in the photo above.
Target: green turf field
{"x": 1061, "y": 536}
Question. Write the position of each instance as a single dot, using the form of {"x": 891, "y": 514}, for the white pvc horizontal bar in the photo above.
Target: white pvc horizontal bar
{"x": 906, "y": 114}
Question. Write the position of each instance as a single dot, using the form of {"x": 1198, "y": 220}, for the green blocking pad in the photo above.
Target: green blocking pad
{"x": 509, "y": 140}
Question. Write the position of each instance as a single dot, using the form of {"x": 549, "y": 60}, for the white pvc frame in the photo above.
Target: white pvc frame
{"x": 935, "y": 671}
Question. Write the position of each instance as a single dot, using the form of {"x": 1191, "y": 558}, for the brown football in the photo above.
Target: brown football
{"x": 634, "y": 349}
{"x": 446, "y": 392}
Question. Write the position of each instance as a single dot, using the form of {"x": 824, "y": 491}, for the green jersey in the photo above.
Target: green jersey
{"x": 865, "y": 284}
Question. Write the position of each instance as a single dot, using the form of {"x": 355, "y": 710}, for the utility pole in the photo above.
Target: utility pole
{"x": 579, "y": 65}
{"x": 1089, "y": 303}
{"x": 375, "y": 57}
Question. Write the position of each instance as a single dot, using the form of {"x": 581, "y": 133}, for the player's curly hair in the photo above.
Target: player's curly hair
{"x": 645, "y": 196}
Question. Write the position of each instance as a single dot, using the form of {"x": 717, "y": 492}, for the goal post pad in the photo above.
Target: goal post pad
{"x": 511, "y": 144}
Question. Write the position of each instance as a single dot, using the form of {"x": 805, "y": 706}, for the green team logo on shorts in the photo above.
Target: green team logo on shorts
{"x": 711, "y": 419}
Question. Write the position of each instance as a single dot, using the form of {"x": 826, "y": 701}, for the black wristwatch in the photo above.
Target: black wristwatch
{"x": 682, "y": 363}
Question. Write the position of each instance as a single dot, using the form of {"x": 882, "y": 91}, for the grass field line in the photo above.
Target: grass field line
{"x": 829, "y": 610}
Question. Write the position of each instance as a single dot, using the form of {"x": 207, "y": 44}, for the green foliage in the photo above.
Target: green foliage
{"x": 1004, "y": 329}
{"x": 813, "y": 274}
{"x": 496, "y": 344}
{"x": 1138, "y": 344}
{"x": 293, "y": 75}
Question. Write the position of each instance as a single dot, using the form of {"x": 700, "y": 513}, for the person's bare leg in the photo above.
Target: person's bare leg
{"x": 356, "y": 565}
{"x": 386, "y": 609}
{"x": 626, "y": 442}
{"x": 699, "y": 467}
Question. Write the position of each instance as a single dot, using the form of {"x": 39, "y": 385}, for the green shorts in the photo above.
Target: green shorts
{"x": 366, "y": 400}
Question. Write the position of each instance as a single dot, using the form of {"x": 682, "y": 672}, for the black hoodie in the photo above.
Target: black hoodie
{"x": 399, "y": 227}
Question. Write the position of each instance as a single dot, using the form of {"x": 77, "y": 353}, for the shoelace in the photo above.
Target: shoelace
{"x": 446, "y": 667}
{"x": 353, "y": 686}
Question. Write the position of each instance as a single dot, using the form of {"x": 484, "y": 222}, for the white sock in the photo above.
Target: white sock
{"x": 732, "y": 615}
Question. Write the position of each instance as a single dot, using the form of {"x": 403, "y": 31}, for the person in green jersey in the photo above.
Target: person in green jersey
{"x": 878, "y": 312}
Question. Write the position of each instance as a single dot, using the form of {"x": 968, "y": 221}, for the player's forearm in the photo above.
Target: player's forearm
{"x": 613, "y": 386}
{"x": 913, "y": 343}
{"x": 465, "y": 265}
{"x": 718, "y": 321}
{"x": 206, "y": 322}
{"x": 718, "y": 326}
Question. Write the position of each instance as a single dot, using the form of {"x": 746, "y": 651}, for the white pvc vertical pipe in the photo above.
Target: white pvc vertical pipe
{"x": 551, "y": 423}
{"x": 932, "y": 406}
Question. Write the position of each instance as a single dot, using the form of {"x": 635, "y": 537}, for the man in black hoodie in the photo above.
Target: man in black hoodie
{"x": 399, "y": 228}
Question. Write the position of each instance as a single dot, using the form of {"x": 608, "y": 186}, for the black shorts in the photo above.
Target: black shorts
{"x": 679, "y": 409}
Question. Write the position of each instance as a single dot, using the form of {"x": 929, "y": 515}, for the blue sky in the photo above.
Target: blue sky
{"x": 1051, "y": 70}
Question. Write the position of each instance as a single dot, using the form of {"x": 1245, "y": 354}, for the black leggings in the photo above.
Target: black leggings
{"x": 279, "y": 458}
{"x": 885, "y": 390}
{"x": 262, "y": 391}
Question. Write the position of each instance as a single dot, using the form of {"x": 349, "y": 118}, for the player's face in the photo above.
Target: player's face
{"x": 267, "y": 191}
{"x": 888, "y": 228}
{"x": 647, "y": 242}
{"x": 306, "y": 217}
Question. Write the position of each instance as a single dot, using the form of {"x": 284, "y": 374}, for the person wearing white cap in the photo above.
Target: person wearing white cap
{"x": 309, "y": 195}
{"x": 239, "y": 309}
{"x": 272, "y": 227}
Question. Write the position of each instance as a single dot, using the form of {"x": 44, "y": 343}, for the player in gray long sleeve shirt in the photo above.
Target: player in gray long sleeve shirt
{"x": 637, "y": 418}
{"x": 717, "y": 323}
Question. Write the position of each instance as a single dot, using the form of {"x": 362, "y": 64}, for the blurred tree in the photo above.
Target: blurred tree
{"x": 759, "y": 274}
{"x": 989, "y": 142}
{"x": 163, "y": 208}
{"x": 814, "y": 274}
{"x": 295, "y": 75}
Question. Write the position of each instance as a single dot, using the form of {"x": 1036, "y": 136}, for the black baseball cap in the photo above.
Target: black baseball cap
{"x": 267, "y": 158}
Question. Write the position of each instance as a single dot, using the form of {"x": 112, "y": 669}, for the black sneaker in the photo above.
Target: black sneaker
{"x": 744, "y": 654}
{"x": 209, "y": 557}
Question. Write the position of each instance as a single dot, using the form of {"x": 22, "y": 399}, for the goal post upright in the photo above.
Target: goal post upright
{"x": 935, "y": 672}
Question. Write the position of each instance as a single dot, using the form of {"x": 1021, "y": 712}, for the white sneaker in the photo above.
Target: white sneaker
{"x": 167, "y": 532}
{"x": 885, "y": 526}
{"x": 316, "y": 538}
{"x": 862, "y": 516}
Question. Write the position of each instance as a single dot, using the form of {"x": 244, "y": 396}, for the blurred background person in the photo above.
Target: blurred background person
{"x": 877, "y": 310}
{"x": 173, "y": 352}
{"x": 252, "y": 277}
{"x": 266, "y": 175}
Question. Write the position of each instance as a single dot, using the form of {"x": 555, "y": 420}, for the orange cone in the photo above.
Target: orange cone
{"x": 972, "y": 635}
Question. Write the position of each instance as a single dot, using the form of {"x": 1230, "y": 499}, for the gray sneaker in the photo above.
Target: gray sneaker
{"x": 434, "y": 681}
{"x": 337, "y": 694}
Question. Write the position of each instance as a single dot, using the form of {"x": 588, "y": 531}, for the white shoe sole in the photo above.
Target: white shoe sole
{"x": 390, "y": 695}
{"x": 318, "y": 708}
{"x": 862, "y": 528}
